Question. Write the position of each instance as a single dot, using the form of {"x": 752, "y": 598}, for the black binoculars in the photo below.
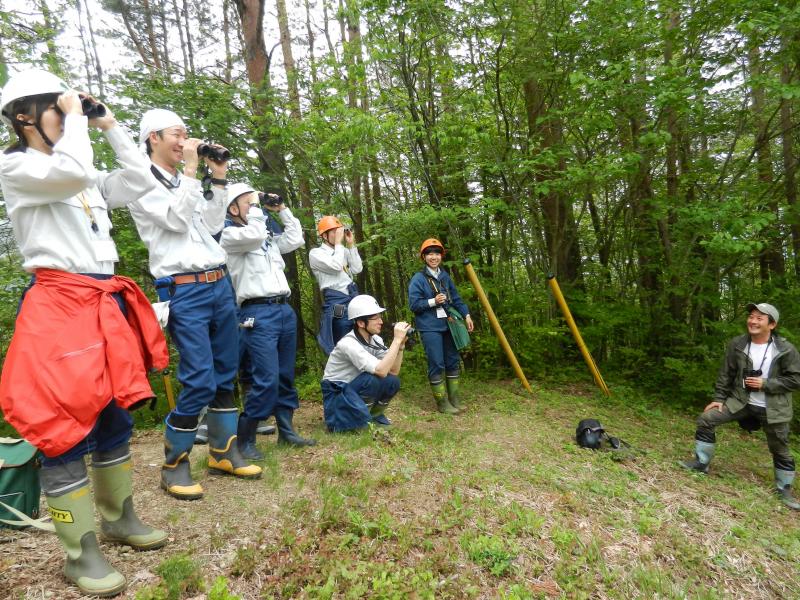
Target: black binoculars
{"x": 750, "y": 373}
{"x": 92, "y": 108}
{"x": 266, "y": 199}
{"x": 214, "y": 152}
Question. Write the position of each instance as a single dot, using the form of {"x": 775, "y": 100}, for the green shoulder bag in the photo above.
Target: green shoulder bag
{"x": 19, "y": 483}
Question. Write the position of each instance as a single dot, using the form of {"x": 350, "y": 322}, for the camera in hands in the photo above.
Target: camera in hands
{"x": 411, "y": 337}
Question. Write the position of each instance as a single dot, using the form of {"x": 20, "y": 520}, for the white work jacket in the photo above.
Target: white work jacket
{"x": 49, "y": 198}
{"x": 335, "y": 267}
{"x": 178, "y": 225}
{"x": 254, "y": 254}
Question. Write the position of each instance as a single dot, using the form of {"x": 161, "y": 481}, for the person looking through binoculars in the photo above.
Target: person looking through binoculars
{"x": 177, "y": 220}
{"x": 334, "y": 263}
{"x": 72, "y": 372}
{"x": 267, "y": 322}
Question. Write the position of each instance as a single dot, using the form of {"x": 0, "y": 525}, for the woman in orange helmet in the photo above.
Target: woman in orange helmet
{"x": 334, "y": 263}
{"x": 429, "y": 292}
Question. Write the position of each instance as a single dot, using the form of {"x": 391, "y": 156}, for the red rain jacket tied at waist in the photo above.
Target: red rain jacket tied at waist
{"x": 72, "y": 351}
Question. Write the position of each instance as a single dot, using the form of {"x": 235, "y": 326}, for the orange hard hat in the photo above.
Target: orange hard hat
{"x": 327, "y": 223}
{"x": 430, "y": 242}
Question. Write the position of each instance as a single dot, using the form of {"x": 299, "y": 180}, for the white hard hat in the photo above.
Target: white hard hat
{"x": 363, "y": 306}
{"x": 33, "y": 82}
{"x": 237, "y": 189}
{"x": 157, "y": 119}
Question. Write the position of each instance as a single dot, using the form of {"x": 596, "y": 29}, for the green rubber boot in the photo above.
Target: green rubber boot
{"x": 783, "y": 484}
{"x": 453, "y": 391}
{"x": 86, "y": 567}
{"x": 113, "y": 494}
{"x": 440, "y": 395}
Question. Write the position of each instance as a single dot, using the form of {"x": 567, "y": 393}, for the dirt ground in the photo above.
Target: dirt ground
{"x": 31, "y": 562}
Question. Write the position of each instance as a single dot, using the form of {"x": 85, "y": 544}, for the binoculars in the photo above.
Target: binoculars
{"x": 269, "y": 199}
{"x": 92, "y": 108}
{"x": 214, "y": 152}
{"x": 750, "y": 373}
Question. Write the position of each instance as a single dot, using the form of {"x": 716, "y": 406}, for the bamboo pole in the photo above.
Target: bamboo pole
{"x": 498, "y": 331}
{"x": 587, "y": 357}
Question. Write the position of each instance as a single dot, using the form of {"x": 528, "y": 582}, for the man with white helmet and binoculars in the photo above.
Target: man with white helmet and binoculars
{"x": 361, "y": 375}
{"x": 267, "y": 322}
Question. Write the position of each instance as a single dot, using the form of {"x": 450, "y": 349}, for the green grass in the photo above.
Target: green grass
{"x": 495, "y": 503}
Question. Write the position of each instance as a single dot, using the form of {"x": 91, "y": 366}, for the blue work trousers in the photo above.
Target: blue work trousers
{"x": 441, "y": 354}
{"x": 203, "y": 325}
{"x": 112, "y": 429}
{"x": 346, "y": 405}
{"x": 270, "y": 348}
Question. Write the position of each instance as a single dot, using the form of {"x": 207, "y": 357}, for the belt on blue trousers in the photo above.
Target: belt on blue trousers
{"x": 266, "y": 300}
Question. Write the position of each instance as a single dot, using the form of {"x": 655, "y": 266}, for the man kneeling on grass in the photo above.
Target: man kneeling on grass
{"x": 756, "y": 381}
{"x": 361, "y": 375}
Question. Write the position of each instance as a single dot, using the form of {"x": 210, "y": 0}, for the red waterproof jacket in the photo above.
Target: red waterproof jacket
{"x": 72, "y": 352}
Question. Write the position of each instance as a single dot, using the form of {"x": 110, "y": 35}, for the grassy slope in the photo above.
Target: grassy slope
{"x": 496, "y": 503}
{"x": 501, "y": 503}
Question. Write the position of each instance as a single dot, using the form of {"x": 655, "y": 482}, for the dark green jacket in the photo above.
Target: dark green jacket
{"x": 782, "y": 379}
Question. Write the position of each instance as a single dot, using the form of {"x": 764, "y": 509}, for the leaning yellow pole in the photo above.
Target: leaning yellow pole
{"x": 498, "y": 331}
{"x": 168, "y": 389}
{"x": 562, "y": 304}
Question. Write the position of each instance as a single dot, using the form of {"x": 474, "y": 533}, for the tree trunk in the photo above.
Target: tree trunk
{"x": 271, "y": 156}
{"x": 771, "y": 258}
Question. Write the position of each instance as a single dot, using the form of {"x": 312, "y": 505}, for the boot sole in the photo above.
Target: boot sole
{"x": 215, "y": 471}
{"x": 150, "y": 546}
{"x": 109, "y": 593}
{"x": 181, "y": 496}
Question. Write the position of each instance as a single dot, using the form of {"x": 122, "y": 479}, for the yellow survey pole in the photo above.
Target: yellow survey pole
{"x": 562, "y": 304}
{"x": 168, "y": 389}
{"x": 498, "y": 331}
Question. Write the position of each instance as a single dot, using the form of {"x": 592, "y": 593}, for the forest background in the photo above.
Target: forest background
{"x": 643, "y": 152}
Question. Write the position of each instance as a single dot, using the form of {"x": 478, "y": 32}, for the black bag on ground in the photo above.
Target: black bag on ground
{"x": 590, "y": 434}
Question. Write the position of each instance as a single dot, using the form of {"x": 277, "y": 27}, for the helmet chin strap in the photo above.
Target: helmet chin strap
{"x": 38, "y": 127}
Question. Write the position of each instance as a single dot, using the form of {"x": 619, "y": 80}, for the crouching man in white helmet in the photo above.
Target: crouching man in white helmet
{"x": 361, "y": 375}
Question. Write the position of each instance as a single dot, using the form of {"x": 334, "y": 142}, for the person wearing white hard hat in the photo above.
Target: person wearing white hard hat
{"x": 754, "y": 387}
{"x": 178, "y": 220}
{"x": 361, "y": 375}
{"x": 267, "y": 322}
{"x": 70, "y": 376}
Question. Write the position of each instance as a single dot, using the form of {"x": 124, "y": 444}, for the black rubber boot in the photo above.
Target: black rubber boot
{"x": 176, "y": 474}
{"x": 223, "y": 449}
{"x": 286, "y": 433}
{"x": 246, "y": 438}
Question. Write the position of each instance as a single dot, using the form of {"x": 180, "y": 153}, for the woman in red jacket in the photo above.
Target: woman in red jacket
{"x": 70, "y": 372}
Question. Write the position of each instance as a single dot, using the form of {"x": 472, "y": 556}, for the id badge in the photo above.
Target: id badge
{"x": 104, "y": 250}
{"x": 441, "y": 313}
